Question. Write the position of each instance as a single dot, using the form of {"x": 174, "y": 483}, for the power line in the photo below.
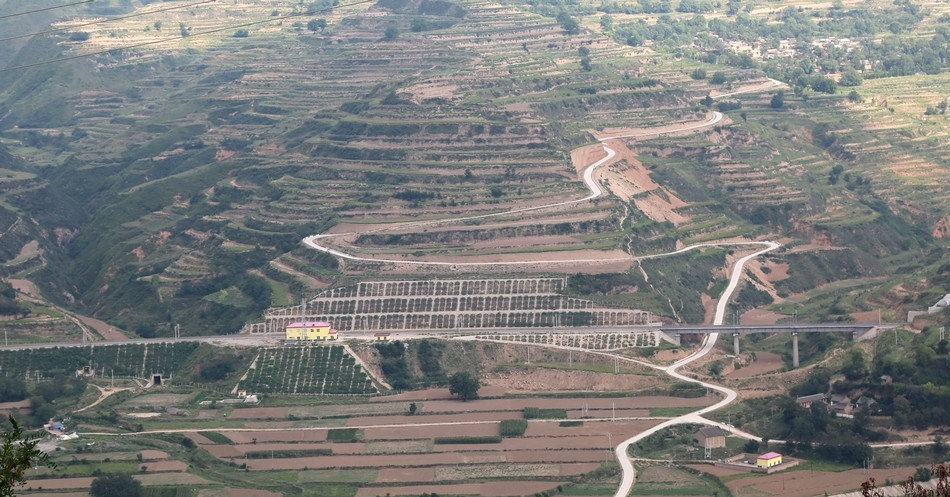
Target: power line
{"x": 164, "y": 40}
{"x": 106, "y": 20}
{"x": 43, "y": 10}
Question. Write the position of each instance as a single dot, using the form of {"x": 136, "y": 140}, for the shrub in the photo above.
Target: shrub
{"x": 513, "y": 427}
{"x": 537, "y": 413}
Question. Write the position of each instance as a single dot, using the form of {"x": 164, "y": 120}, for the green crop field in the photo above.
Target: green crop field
{"x": 312, "y": 370}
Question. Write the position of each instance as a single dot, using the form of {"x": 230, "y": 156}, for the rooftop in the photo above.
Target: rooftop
{"x": 309, "y": 324}
{"x": 770, "y": 455}
{"x": 712, "y": 431}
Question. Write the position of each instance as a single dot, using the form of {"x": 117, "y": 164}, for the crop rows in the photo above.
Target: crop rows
{"x": 598, "y": 341}
{"x": 139, "y": 360}
{"x": 497, "y": 303}
{"x": 316, "y": 370}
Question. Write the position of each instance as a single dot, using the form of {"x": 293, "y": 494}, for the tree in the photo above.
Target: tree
{"x": 413, "y": 408}
{"x": 570, "y": 25}
{"x": 19, "y": 453}
{"x": 464, "y": 385}
{"x": 316, "y": 25}
{"x": 241, "y": 33}
{"x": 850, "y": 77}
{"x": 778, "y": 100}
{"x": 418, "y": 25}
{"x": 698, "y": 73}
{"x": 116, "y": 485}
{"x": 391, "y": 33}
{"x": 585, "y": 64}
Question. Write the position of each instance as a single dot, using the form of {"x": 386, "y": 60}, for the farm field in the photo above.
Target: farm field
{"x": 447, "y": 446}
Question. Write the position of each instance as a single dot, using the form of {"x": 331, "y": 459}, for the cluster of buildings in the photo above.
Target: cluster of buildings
{"x": 840, "y": 404}
{"x": 713, "y": 437}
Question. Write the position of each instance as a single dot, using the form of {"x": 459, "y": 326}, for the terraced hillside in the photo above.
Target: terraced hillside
{"x": 450, "y": 304}
{"x": 168, "y": 173}
{"x": 306, "y": 370}
{"x": 132, "y": 360}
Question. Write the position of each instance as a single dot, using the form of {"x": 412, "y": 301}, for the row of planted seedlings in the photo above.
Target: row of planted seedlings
{"x": 125, "y": 359}
{"x": 314, "y": 370}
{"x": 599, "y": 341}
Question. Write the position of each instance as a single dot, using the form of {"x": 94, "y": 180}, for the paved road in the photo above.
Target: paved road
{"x": 596, "y": 191}
{"x": 629, "y": 474}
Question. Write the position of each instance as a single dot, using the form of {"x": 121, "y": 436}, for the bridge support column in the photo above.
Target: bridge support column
{"x": 679, "y": 339}
{"x": 735, "y": 343}
{"x": 795, "y": 349}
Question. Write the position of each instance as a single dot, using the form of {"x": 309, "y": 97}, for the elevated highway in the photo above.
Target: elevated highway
{"x": 858, "y": 331}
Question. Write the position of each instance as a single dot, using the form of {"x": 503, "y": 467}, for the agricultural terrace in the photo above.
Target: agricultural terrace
{"x": 589, "y": 341}
{"x": 446, "y": 445}
{"x": 306, "y": 370}
{"x": 451, "y": 304}
{"x": 135, "y": 360}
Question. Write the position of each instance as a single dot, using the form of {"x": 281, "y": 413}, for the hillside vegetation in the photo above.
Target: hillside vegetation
{"x": 172, "y": 182}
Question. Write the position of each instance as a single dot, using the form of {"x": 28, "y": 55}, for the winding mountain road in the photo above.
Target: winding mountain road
{"x": 596, "y": 191}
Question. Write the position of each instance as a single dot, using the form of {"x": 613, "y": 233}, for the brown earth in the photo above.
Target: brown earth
{"x": 765, "y": 362}
{"x": 405, "y": 475}
{"x": 487, "y": 489}
{"x": 560, "y": 380}
{"x": 249, "y": 492}
{"x": 807, "y": 483}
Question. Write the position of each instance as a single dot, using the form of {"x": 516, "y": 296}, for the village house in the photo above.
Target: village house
{"x": 807, "y": 400}
{"x": 841, "y": 404}
{"x": 768, "y": 460}
{"x": 710, "y": 437}
{"x": 310, "y": 330}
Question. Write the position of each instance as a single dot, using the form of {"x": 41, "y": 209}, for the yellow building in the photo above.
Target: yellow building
{"x": 381, "y": 337}
{"x": 310, "y": 331}
{"x": 768, "y": 460}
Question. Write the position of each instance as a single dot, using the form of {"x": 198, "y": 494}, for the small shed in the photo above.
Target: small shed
{"x": 710, "y": 437}
{"x": 768, "y": 460}
{"x": 382, "y": 337}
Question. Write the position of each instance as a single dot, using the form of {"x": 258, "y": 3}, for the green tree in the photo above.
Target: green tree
{"x": 778, "y": 100}
{"x": 316, "y": 25}
{"x": 19, "y": 453}
{"x": 418, "y": 25}
{"x": 850, "y": 77}
{"x": 464, "y": 385}
{"x": 391, "y": 33}
{"x": 116, "y": 485}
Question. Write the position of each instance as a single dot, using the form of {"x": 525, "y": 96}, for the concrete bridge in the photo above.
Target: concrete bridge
{"x": 857, "y": 331}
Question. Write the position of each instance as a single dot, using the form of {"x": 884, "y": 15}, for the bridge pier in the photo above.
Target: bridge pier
{"x": 679, "y": 339}
{"x": 735, "y": 343}
{"x": 795, "y": 349}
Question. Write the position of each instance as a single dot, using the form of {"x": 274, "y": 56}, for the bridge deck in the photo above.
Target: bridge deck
{"x": 773, "y": 328}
